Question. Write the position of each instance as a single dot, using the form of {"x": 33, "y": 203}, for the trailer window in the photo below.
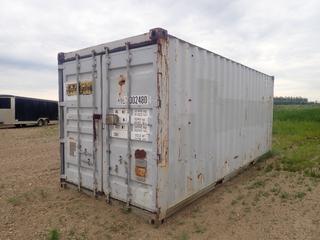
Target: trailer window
{"x": 5, "y": 103}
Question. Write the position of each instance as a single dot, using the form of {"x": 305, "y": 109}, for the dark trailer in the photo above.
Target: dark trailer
{"x": 19, "y": 111}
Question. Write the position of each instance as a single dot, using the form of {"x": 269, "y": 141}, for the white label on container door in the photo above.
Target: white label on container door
{"x": 140, "y": 136}
{"x": 140, "y": 120}
{"x": 119, "y": 131}
{"x": 134, "y": 100}
{"x": 141, "y": 112}
{"x": 141, "y": 128}
{"x": 140, "y": 116}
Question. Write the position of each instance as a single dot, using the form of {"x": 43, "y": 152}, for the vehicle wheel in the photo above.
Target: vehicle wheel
{"x": 17, "y": 125}
{"x": 46, "y": 122}
{"x": 40, "y": 123}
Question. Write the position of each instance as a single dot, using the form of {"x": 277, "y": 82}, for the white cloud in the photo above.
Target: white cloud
{"x": 277, "y": 37}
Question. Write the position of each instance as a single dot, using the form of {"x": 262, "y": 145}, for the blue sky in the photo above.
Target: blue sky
{"x": 280, "y": 38}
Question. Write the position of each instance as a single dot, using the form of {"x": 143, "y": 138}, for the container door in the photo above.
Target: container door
{"x": 82, "y": 122}
{"x": 129, "y": 120}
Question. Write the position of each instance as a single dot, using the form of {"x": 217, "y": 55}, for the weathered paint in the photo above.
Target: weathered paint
{"x": 192, "y": 118}
{"x": 220, "y": 118}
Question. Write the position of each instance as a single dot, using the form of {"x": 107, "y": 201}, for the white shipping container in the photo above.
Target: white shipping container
{"x": 156, "y": 122}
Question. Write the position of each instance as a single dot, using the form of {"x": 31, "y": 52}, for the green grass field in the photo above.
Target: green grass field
{"x": 296, "y": 139}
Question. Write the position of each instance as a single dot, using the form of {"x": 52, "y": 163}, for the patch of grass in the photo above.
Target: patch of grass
{"x": 117, "y": 227}
{"x": 28, "y": 196}
{"x": 284, "y": 195}
{"x": 126, "y": 210}
{"x": 268, "y": 168}
{"x": 266, "y": 156}
{"x": 199, "y": 229}
{"x": 297, "y": 113}
{"x": 257, "y": 184}
{"x": 183, "y": 236}
{"x": 53, "y": 234}
{"x": 235, "y": 201}
{"x": 296, "y": 139}
{"x": 299, "y": 195}
{"x": 313, "y": 172}
{"x": 276, "y": 190}
{"x": 15, "y": 200}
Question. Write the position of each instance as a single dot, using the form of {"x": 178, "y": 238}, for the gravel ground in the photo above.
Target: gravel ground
{"x": 261, "y": 203}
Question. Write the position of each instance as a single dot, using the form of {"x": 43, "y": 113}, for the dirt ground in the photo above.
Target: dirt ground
{"x": 261, "y": 203}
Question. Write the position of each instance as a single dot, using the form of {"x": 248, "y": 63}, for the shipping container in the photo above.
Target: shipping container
{"x": 20, "y": 111}
{"x": 156, "y": 122}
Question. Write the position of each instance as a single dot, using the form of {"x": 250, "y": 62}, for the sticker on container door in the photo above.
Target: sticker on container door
{"x": 140, "y": 120}
{"x": 134, "y": 100}
{"x": 119, "y": 131}
{"x": 141, "y": 128}
{"x": 86, "y": 88}
{"x": 141, "y": 112}
{"x": 71, "y": 89}
{"x": 140, "y": 136}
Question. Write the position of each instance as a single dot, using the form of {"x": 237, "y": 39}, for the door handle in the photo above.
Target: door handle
{"x": 94, "y": 118}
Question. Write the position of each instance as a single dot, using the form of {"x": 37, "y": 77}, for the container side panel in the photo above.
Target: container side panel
{"x": 220, "y": 118}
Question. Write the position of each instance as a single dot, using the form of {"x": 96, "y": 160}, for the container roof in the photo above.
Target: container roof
{"x": 146, "y": 38}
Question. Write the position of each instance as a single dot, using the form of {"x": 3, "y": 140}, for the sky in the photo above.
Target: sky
{"x": 280, "y": 38}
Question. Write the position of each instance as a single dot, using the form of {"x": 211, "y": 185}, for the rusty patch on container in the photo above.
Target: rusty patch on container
{"x": 121, "y": 82}
{"x": 189, "y": 184}
{"x": 163, "y": 122}
{"x": 141, "y": 171}
{"x": 140, "y": 154}
{"x": 162, "y": 92}
{"x": 200, "y": 177}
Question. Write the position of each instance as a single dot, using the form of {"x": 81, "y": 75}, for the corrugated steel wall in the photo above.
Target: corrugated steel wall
{"x": 220, "y": 118}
